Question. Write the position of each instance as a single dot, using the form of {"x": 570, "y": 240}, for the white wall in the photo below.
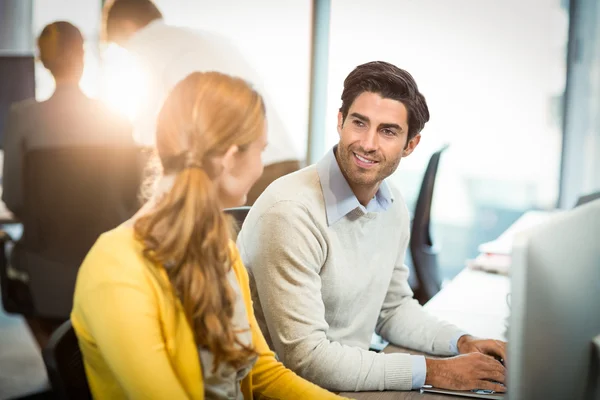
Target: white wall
{"x": 274, "y": 36}
{"x": 489, "y": 70}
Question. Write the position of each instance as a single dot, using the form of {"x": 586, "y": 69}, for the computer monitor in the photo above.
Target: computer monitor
{"x": 555, "y": 313}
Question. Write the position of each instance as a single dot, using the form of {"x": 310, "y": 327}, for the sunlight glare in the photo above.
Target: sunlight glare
{"x": 123, "y": 81}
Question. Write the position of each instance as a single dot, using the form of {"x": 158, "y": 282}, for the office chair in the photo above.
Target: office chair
{"x": 422, "y": 249}
{"x": 9, "y": 288}
{"x": 64, "y": 364}
{"x": 587, "y": 198}
{"x": 239, "y": 215}
{"x": 71, "y": 196}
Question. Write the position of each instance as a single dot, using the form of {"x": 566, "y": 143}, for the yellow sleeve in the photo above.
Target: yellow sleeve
{"x": 270, "y": 379}
{"x": 122, "y": 317}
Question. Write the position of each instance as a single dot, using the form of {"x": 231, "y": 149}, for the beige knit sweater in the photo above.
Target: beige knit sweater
{"x": 320, "y": 290}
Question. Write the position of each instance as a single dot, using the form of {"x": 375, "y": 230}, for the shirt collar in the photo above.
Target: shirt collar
{"x": 338, "y": 196}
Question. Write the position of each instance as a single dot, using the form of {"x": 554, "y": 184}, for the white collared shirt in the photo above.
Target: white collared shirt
{"x": 167, "y": 54}
{"x": 338, "y": 196}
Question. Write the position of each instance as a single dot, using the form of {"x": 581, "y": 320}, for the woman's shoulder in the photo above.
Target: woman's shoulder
{"x": 117, "y": 256}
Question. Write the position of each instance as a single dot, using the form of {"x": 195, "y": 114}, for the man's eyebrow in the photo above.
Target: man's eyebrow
{"x": 394, "y": 126}
{"x": 360, "y": 116}
{"x": 364, "y": 118}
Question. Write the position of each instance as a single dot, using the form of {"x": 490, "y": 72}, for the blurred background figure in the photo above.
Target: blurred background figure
{"x": 70, "y": 172}
{"x": 68, "y": 118}
{"x": 167, "y": 54}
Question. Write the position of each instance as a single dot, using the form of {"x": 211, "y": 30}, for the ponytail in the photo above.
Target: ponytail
{"x": 188, "y": 234}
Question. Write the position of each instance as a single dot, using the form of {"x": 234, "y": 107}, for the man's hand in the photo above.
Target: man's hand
{"x": 470, "y": 344}
{"x": 466, "y": 372}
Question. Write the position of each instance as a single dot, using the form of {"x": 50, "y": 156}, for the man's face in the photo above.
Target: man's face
{"x": 373, "y": 139}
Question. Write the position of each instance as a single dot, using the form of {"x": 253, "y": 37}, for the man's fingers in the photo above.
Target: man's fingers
{"x": 498, "y": 376}
{"x": 488, "y": 359}
{"x": 489, "y": 364}
{"x": 501, "y": 348}
{"x": 487, "y": 385}
{"x": 495, "y": 347}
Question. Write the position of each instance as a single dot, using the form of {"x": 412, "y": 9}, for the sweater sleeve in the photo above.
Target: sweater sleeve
{"x": 270, "y": 379}
{"x": 122, "y": 317}
{"x": 404, "y": 322}
{"x": 285, "y": 251}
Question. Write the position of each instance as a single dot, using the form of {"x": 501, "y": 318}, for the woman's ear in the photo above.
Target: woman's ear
{"x": 229, "y": 158}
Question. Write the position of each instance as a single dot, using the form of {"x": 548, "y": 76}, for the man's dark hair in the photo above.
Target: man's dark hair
{"x": 61, "y": 48}
{"x": 390, "y": 82}
{"x": 140, "y": 12}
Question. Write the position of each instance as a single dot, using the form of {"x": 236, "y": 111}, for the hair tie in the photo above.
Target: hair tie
{"x": 192, "y": 162}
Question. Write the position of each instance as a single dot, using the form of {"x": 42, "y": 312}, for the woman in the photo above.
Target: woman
{"x": 162, "y": 305}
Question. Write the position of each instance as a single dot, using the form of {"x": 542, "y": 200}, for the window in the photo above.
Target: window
{"x": 493, "y": 73}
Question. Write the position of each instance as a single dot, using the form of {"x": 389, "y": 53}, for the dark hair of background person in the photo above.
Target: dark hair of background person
{"x": 117, "y": 12}
{"x": 61, "y": 49}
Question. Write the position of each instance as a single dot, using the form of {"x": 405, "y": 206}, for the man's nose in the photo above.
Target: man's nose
{"x": 370, "y": 141}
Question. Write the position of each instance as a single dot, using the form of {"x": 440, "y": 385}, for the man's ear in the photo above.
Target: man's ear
{"x": 411, "y": 145}
{"x": 340, "y": 123}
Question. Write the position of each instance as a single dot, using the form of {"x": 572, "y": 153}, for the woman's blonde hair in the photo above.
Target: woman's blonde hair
{"x": 187, "y": 232}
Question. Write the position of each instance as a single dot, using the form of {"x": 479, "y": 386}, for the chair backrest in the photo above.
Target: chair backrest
{"x": 423, "y": 252}
{"x": 71, "y": 196}
{"x": 64, "y": 364}
{"x": 238, "y": 213}
{"x": 587, "y": 198}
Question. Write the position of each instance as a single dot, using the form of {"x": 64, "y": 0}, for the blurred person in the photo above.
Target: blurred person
{"x": 168, "y": 54}
{"x": 67, "y": 118}
{"x": 162, "y": 304}
{"x": 335, "y": 235}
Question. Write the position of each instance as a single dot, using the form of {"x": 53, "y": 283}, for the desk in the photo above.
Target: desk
{"x": 474, "y": 301}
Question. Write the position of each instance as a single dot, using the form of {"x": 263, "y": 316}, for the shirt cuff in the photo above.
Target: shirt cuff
{"x": 454, "y": 342}
{"x": 419, "y": 371}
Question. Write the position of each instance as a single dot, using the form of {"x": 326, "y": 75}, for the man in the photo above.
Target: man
{"x": 168, "y": 54}
{"x": 325, "y": 248}
{"x": 67, "y": 118}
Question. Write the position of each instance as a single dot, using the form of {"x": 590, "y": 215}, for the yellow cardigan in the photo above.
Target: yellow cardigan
{"x": 136, "y": 341}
